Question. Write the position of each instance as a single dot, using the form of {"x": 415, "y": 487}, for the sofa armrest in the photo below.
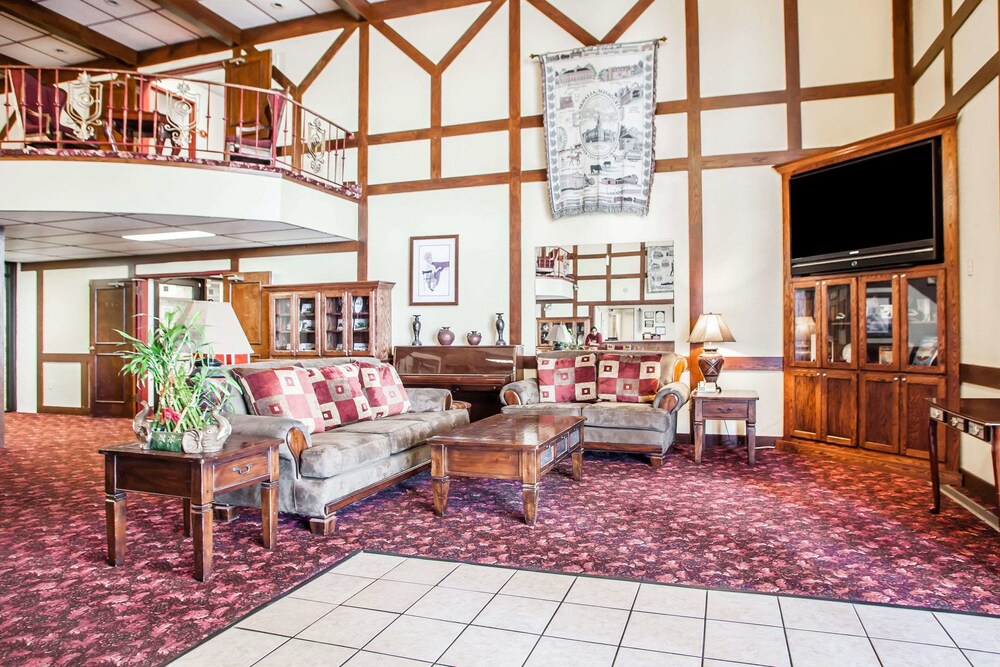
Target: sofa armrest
{"x": 429, "y": 400}
{"x": 671, "y": 397}
{"x": 522, "y": 392}
{"x": 292, "y": 432}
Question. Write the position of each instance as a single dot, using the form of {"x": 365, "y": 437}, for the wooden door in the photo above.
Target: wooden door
{"x": 915, "y": 390}
{"x": 840, "y": 407}
{"x": 245, "y": 107}
{"x": 245, "y": 292}
{"x": 879, "y": 398}
{"x": 805, "y": 388}
{"x": 112, "y": 306}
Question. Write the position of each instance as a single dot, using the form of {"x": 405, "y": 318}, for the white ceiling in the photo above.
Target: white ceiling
{"x": 22, "y": 42}
{"x": 36, "y": 236}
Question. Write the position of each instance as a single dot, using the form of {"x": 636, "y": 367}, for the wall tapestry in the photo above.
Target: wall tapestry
{"x": 599, "y": 108}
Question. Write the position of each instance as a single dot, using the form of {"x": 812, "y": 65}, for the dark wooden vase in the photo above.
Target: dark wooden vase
{"x": 446, "y": 336}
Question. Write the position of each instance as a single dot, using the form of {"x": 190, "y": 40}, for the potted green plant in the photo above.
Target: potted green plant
{"x": 187, "y": 414}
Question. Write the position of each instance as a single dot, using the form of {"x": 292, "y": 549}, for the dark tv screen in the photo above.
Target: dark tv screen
{"x": 876, "y": 205}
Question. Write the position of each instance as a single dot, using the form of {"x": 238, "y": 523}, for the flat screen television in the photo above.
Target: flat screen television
{"x": 877, "y": 211}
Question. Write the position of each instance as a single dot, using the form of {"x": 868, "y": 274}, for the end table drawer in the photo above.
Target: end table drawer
{"x": 722, "y": 409}
{"x": 240, "y": 472}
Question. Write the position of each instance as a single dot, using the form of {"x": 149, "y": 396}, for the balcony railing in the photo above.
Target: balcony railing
{"x": 128, "y": 115}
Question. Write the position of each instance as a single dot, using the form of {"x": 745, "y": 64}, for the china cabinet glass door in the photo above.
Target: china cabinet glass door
{"x": 360, "y": 322}
{"x": 307, "y": 313}
{"x": 924, "y": 331}
{"x": 281, "y": 326}
{"x": 804, "y": 334}
{"x": 879, "y": 332}
{"x": 334, "y": 325}
{"x": 839, "y": 309}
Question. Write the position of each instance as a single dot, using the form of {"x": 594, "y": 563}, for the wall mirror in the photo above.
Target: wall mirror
{"x": 626, "y": 290}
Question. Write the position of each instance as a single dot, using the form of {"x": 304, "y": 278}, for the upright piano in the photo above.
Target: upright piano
{"x": 473, "y": 373}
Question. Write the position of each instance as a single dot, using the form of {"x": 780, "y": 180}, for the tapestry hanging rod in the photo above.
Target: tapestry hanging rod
{"x": 535, "y": 55}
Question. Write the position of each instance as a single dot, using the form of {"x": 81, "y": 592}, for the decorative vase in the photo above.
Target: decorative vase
{"x": 446, "y": 336}
{"x": 474, "y": 337}
{"x": 416, "y": 330}
{"x": 500, "y": 328}
{"x": 210, "y": 439}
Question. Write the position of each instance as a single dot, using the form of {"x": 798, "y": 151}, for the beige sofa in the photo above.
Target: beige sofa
{"x": 323, "y": 472}
{"x": 641, "y": 428}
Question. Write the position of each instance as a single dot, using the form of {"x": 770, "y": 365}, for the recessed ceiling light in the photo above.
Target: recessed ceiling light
{"x": 168, "y": 236}
{"x": 58, "y": 50}
{"x": 278, "y": 5}
{"x": 113, "y": 3}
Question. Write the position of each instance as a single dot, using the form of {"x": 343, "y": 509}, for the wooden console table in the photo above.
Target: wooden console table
{"x": 727, "y": 404}
{"x": 196, "y": 478}
{"x": 979, "y": 417}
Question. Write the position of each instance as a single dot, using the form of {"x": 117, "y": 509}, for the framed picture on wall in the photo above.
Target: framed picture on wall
{"x": 434, "y": 270}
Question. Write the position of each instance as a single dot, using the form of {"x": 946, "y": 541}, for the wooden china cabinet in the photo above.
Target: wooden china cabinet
{"x": 330, "y": 319}
{"x": 864, "y": 350}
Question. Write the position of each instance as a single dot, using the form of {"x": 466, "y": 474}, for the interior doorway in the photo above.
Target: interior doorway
{"x": 113, "y": 307}
{"x": 10, "y": 337}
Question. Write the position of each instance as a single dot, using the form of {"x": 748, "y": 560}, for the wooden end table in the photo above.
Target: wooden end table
{"x": 196, "y": 478}
{"x": 732, "y": 404}
{"x": 980, "y": 418}
{"x": 505, "y": 446}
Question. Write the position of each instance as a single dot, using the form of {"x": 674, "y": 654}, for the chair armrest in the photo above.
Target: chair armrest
{"x": 429, "y": 400}
{"x": 292, "y": 432}
{"x": 522, "y": 392}
{"x": 671, "y": 397}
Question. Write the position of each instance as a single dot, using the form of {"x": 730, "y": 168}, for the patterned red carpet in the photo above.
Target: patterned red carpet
{"x": 790, "y": 525}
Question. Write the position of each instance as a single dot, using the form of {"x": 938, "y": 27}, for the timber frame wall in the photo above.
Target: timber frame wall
{"x": 374, "y": 16}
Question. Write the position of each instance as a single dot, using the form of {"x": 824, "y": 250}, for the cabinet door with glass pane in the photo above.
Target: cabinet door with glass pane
{"x": 360, "y": 307}
{"x": 880, "y": 327}
{"x": 306, "y": 330}
{"x": 805, "y": 323}
{"x": 922, "y": 313}
{"x": 839, "y": 324}
{"x": 282, "y": 324}
{"x": 335, "y": 325}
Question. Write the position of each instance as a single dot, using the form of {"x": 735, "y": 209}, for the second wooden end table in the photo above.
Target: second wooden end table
{"x": 732, "y": 404}
{"x": 518, "y": 447}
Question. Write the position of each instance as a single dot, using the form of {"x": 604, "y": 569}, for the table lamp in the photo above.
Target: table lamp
{"x": 220, "y": 329}
{"x": 560, "y": 336}
{"x": 709, "y": 330}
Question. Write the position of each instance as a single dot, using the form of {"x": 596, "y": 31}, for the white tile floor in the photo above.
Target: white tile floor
{"x": 376, "y": 609}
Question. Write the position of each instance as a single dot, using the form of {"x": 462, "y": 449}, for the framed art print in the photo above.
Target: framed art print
{"x": 434, "y": 270}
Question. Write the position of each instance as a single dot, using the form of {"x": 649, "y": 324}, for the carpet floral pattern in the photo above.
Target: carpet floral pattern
{"x": 791, "y": 525}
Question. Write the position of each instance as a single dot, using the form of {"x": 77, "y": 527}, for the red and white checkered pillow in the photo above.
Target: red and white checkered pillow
{"x": 282, "y": 392}
{"x": 628, "y": 378}
{"x": 384, "y": 390}
{"x": 567, "y": 379}
{"x": 341, "y": 397}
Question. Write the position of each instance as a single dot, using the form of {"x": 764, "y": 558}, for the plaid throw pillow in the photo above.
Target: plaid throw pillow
{"x": 628, "y": 378}
{"x": 282, "y": 392}
{"x": 341, "y": 397}
{"x": 567, "y": 379}
{"x": 384, "y": 390}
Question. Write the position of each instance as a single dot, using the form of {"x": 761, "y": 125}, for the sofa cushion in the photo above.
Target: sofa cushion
{"x": 341, "y": 397}
{"x": 338, "y": 451}
{"x": 281, "y": 392}
{"x": 400, "y": 433}
{"x": 626, "y": 415}
{"x": 628, "y": 378}
{"x": 567, "y": 379}
{"x": 441, "y": 420}
{"x": 567, "y": 409}
{"x": 384, "y": 389}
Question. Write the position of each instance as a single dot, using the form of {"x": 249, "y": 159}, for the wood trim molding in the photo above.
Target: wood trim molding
{"x": 627, "y": 21}
{"x": 902, "y": 56}
{"x": 498, "y": 178}
{"x": 565, "y": 22}
{"x": 364, "y": 96}
{"x": 952, "y": 23}
{"x": 984, "y": 376}
{"x": 750, "y": 364}
{"x": 516, "y": 333}
{"x": 696, "y": 250}
{"x": 325, "y": 59}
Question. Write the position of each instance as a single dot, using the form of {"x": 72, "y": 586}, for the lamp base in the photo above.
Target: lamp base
{"x": 710, "y": 363}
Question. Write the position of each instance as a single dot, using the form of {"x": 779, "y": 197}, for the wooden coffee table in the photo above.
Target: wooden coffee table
{"x": 506, "y": 446}
{"x": 196, "y": 478}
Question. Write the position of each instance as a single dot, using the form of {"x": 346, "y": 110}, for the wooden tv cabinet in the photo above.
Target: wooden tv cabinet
{"x": 864, "y": 350}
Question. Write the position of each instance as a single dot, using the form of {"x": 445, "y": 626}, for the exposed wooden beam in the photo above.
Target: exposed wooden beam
{"x": 57, "y": 24}
{"x": 399, "y": 8}
{"x": 198, "y": 14}
{"x": 349, "y": 7}
{"x": 307, "y": 25}
{"x": 7, "y": 60}
{"x": 325, "y": 59}
{"x": 565, "y": 22}
{"x": 164, "y": 54}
